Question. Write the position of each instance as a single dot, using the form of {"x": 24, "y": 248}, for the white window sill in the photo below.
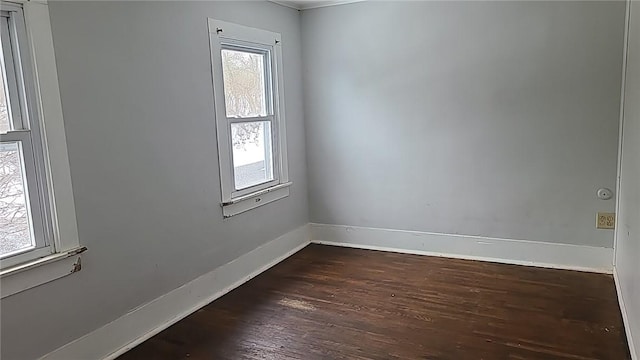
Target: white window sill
{"x": 25, "y": 276}
{"x": 252, "y": 201}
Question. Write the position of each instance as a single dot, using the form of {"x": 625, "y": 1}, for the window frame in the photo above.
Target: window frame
{"x": 26, "y": 133}
{"x": 271, "y": 117}
{"x": 228, "y": 36}
{"x": 43, "y": 139}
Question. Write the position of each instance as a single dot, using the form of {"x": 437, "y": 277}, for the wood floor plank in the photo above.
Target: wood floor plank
{"x": 336, "y": 303}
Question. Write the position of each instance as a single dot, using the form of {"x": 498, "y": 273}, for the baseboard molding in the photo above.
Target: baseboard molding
{"x": 119, "y": 336}
{"x": 520, "y": 252}
{"x": 625, "y": 318}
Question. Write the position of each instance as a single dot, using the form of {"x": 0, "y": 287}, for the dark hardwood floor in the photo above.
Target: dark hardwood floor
{"x": 337, "y": 303}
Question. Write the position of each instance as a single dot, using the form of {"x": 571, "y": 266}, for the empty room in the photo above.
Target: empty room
{"x": 441, "y": 180}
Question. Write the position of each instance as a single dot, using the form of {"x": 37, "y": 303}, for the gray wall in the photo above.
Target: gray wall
{"x": 482, "y": 118}
{"x": 628, "y": 232}
{"x": 135, "y": 81}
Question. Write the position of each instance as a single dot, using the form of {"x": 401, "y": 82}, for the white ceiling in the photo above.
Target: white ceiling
{"x": 311, "y": 4}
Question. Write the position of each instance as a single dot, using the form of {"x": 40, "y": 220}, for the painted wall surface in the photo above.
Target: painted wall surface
{"x": 497, "y": 119}
{"x": 135, "y": 81}
{"x": 628, "y": 233}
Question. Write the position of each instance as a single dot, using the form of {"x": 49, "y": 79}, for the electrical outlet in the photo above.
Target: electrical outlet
{"x": 606, "y": 220}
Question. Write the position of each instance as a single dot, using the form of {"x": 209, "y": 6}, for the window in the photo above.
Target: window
{"x": 34, "y": 230}
{"x": 249, "y": 112}
{"x": 24, "y": 233}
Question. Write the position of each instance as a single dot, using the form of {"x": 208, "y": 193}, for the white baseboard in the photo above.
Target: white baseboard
{"x": 520, "y": 252}
{"x": 119, "y": 336}
{"x": 625, "y": 318}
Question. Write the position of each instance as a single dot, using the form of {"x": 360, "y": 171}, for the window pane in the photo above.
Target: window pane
{"x": 252, "y": 153}
{"x": 15, "y": 227}
{"x": 244, "y": 83}
{"x": 5, "y": 123}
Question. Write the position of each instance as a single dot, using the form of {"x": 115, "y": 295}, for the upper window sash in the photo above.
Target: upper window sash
{"x": 266, "y": 50}
{"x": 12, "y": 33}
{"x": 23, "y": 87}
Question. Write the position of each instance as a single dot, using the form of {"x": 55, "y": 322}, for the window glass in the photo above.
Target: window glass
{"x": 5, "y": 122}
{"x": 252, "y": 153}
{"x": 15, "y": 227}
{"x": 244, "y": 83}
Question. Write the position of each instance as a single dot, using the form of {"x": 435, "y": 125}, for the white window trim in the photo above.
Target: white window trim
{"x": 65, "y": 260}
{"x": 235, "y": 202}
